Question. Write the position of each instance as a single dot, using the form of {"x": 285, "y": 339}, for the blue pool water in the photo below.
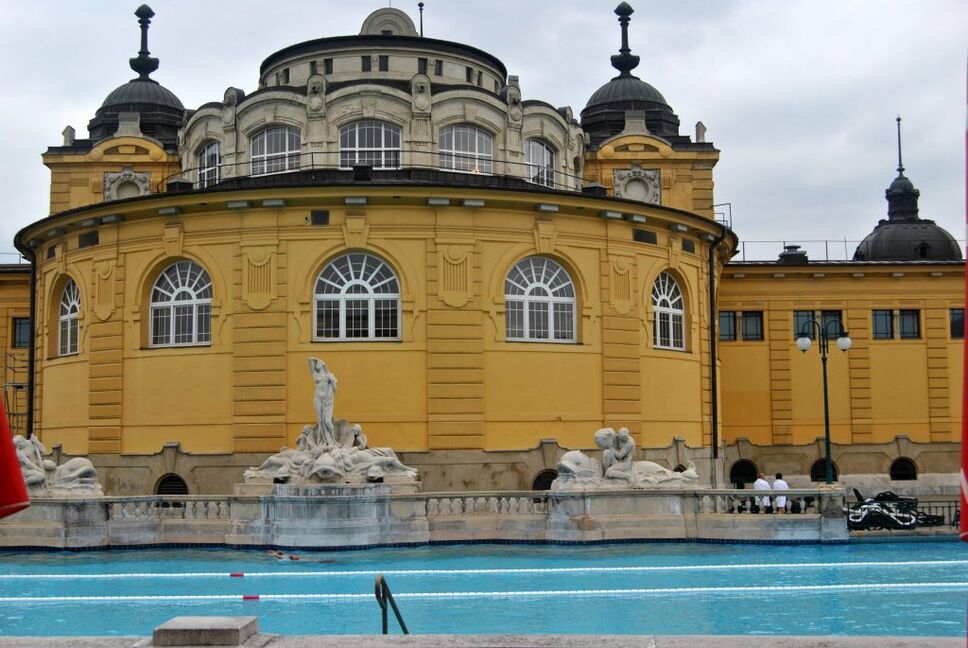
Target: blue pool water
{"x": 917, "y": 589}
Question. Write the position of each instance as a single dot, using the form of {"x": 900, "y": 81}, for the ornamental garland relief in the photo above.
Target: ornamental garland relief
{"x": 636, "y": 183}
{"x": 454, "y": 275}
{"x": 126, "y": 184}
{"x": 103, "y": 291}
{"x": 258, "y": 278}
{"x": 621, "y": 284}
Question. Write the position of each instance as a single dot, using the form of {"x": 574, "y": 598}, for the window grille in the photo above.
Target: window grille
{"x": 369, "y": 143}
{"x": 181, "y": 306}
{"x": 466, "y": 148}
{"x": 275, "y": 149}
{"x": 70, "y": 307}
{"x": 357, "y": 297}
{"x": 667, "y": 302}
{"x": 539, "y": 297}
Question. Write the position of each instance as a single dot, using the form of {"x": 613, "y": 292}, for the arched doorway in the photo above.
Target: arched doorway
{"x": 542, "y": 481}
{"x": 743, "y": 472}
{"x": 818, "y": 471}
{"x": 903, "y": 469}
{"x": 171, "y": 484}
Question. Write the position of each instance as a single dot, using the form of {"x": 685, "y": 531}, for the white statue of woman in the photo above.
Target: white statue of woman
{"x": 323, "y": 400}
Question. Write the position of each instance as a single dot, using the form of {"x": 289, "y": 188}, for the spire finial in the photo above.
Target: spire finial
{"x": 624, "y": 61}
{"x": 900, "y": 166}
{"x": 143, "y": 64}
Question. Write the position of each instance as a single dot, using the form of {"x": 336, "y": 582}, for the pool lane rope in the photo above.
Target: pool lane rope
{"x": 462, "y": 572}
{"x": 508, "y": 594}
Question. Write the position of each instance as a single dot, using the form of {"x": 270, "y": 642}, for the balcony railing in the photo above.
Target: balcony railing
{"x": 416, "y": 167}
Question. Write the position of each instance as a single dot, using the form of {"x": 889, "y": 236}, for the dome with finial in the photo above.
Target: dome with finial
{"x": 160, "y": 110}
{"x": 903, "y": 236}
{"x": 604, "y": 114}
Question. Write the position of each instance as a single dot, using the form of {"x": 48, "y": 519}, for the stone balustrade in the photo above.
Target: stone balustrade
{"x": 371, "y": 515}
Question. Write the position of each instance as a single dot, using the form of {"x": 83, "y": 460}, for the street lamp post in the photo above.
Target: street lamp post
{"x": 843, "y": 343}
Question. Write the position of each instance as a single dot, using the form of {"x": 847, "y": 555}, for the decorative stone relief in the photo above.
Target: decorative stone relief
{"x": 454, "y": 272}
{"x": 332, "y": 450}
{"x": 420, "y": 91}
{"x": 316, "y": 96}
{"x": 126, "y": 184}
{"x": 578, "y": 471}
{"x": 544, "y": 236}
{"x": 640, "y": 184}
{"x": 421, "y": 103}
{"x": 675, "y": 251}
{"x": 173, "y": 238}
{"x": 621, "y": 284}
{"x": 355, "y": 230}
{"x": 103, "y": 290}
{"x": 513, "y": 95}
{"x": 258, "y": 278}
{"x": 76, "y": 477}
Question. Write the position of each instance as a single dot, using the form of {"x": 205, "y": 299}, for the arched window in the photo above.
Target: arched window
{"x": 275, "y": 149}
{"x": 541, "y": 162}
{"x": 357, "y": 297}
{"x": 903, "y": 469}
{"x": 171, "y": 484}
{"x": 743, "y": 472}
{"x": 209, "y": 159}
{"x": 466, "y": 148}
{"x": 70, "y": 307}
{"x": 667, "y": 302}
{"x": 181, "y": 306}
{"x": 540, "y": 300}
{"x": 818, "y": 471}
{"x": 369, "y": 143}
{"x": 542, "y": 481}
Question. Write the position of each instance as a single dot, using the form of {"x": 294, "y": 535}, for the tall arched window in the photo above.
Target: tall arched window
{"x": 209, "y": 159}
{"x": 466, "y": 148}
{"x": 541, "y": 162}
{"x": 275, "y": 149}
{"x": 357, "y": 297}
{"x": 540, "y": 299}
{"x": 669, "y": 310}
{"x": 181, "y": 306}
{"x": 369, "y": 143}
{"x": 67, "y": 328}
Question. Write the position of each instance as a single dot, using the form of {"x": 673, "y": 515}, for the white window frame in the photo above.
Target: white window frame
{"x": 67, "y": 320}
{"x": 286, "y": 143}
{"x": 668, "y": 305}
{"x": 356, "y": 280}
{"x": 384, "y": 155}
{"x": 182, "y": 290}
{"x": 209, "y": 161}
{"x": 539, "y": 289}
{"x": 540, "y": 159}
{"x": 466, "y": 148}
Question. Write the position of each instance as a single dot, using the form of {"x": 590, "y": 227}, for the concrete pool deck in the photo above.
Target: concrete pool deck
{"x": 511, "y": 641}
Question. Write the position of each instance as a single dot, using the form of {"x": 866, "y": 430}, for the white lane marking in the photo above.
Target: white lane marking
{"x": 458, "y": 572}
{"x": 512, "y": 593}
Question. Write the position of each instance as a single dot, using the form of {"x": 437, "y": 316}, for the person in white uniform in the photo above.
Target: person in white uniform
{"x": 764, "y": 501}
{"x": 780, "y": 484}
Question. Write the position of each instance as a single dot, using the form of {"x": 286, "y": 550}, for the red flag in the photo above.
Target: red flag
{"x": 964, "y": 387}
{"x": 13, "y": 490}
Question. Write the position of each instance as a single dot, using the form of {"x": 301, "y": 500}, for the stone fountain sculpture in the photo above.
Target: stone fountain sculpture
{"x": 75, "y": 477}
{"x": 332, "y": 451}
{"x": 617, "y": 469}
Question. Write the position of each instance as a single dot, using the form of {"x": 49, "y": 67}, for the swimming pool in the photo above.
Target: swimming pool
{"x": 914, "y": 589}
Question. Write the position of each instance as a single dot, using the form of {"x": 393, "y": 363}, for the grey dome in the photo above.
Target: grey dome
{"x": 627, "y": 88}
{"x": 142, "y": 91}
{"x": 908, "y": 240}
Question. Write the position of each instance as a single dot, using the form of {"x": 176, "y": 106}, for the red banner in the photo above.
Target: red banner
{"x": 13, "y": 491}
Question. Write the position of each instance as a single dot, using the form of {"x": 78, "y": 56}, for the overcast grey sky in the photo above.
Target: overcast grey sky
{"x": 799, "y": 95}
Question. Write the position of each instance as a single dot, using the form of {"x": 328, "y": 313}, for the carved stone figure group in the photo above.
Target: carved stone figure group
{"x": 44, "y": 478}
{"x": 332, "y": 450}
{"x": 617, "y": 468}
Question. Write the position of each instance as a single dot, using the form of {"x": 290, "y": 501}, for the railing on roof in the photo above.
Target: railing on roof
{"x": 388, "y": 166}
{"x": 816, "y": 249}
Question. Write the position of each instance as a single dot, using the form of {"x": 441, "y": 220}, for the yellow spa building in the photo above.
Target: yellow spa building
{"x": 490, "y": 278}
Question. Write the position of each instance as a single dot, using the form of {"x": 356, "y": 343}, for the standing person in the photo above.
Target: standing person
{"x": 762, "y": 484}
{"x": 780, "y": 484}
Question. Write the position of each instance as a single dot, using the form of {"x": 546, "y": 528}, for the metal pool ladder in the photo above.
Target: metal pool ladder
{"x": 384, "y": 596}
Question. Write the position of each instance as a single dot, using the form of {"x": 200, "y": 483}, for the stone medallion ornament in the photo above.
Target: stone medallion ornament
{"x": 126, "y": 184}
{"x": 639, "y": 184}
{"x": 332, "y": 451}
{"x": 578, "y": 471}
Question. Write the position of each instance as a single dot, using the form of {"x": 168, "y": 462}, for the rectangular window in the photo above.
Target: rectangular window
{"x": 438, "y": 68}
{"x": 801, "y": 325}
{"x": 327, "y": 66}
{"x": 688, "y": 245}
{"x": 882, "y": 324}
{"x": 365, "y": 63}
{"x": 384, "y": 63}
{"x": 313, "y": 69}
{"x": 828, "y": 317}
{"x": 421, "y": 66}
{"x": 480, "y": 79}
{"x": 910, "y": 324}
{"x": 956, "y": 321}
{"x": 285, "y": 76}
{"x": 752, "y": 325}
{"x": 727, "y": 326}
{"x": 21, "y": 332}
{"x": 469, "y": 75}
